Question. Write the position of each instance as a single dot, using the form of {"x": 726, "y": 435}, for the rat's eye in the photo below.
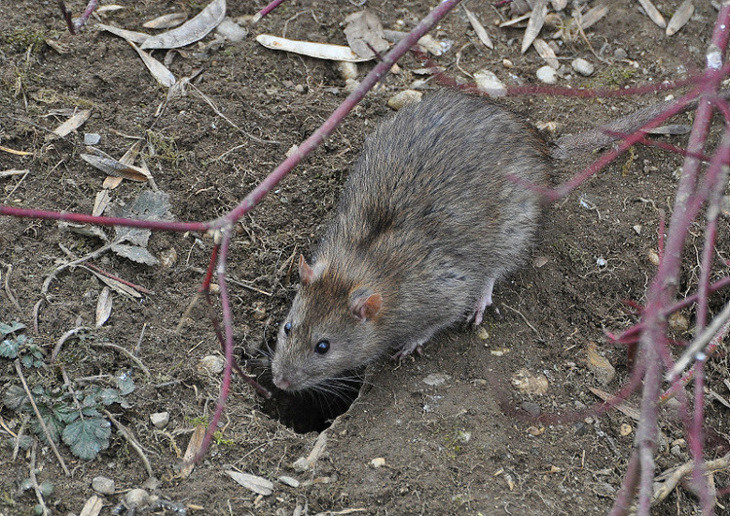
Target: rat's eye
{"x": 287, "y": 328}
{"x": 322, "y": 347}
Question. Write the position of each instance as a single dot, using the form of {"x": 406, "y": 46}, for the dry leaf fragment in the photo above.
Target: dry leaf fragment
{"x": 624, "y": 407}
{"x": 680, "y": 17}
{"x": 101, "y": 201}
{"x": 547, "y": 53}
{"x": 118, "y": 286}
{"x": 534, "y": 25}
{"x": 308, "y": 48}
{"x": 254, "y": 483}
{"x": 112, "y": 167}
{"x": 191, "y": 31}
{"x": 157, "y": 69}
{"x": 129, "y": 35}
{"x": 70, "y": 125}
{"x": 653, "y": 13}
{"x": 364, "y": 34}
{"x": 103, "y": 307}
{"x": 479, "y": 29}
{"x": 196, "y": 441}
{"x": 93, "y": 506}
{"x": 166, "y": 21}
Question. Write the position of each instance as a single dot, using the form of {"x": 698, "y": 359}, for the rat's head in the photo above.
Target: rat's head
{"x": 330, "y": 329}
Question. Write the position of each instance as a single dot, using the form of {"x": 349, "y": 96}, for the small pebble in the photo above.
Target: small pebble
{"x": 653, "y": 257}
{"x": 404, "y": 98}
{"x": 259, "y": 310}
{"x": 489, "y": 83}
{"x": 160, "y": 419}
{"x": 137, "y": 498}
{"x": 290, "y": 481}
{"x": 531, "y": 408}
{"x": 482, "y": 333}
{"x": 638, "y": 228}
{"x": 211, "y": 364}
{"x": 620, "y": 54}
{"x": 583, "y": 67}
{"x": 625, "y": 430}
{"x": 231, "y": 30}
{"x": 547, "y": 75}
{"x": 507, "y": 63}
{"x": 678, "y": 322}
{"x": 168, "y": 257}
{"x": 91, "y": 138}
{"x": 347, "y": 70}
{"x": 103, "y": 485}
{"x": 377, "y": 463}
{"x": 436, "y": 379}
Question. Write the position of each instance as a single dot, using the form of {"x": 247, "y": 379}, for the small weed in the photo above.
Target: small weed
{"x": 73, "y": 416}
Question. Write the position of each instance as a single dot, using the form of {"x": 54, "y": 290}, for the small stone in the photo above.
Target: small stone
{"x": 168, "y": 257}
{"x": 103, "y": 485}
{"x": 583, "y": 67}
{"x": 231, "y": 30}
{"x": 547, "y": 75}
{"x": 507, "y": 63}
{"x": 259, "y": 310}
{"x": 211, "y": 364}
{"x": 404, "y": 98}
{"x": 290, "y": 481}
{"x": 638, "y": 228}
{"x": 620, "y": 54}
{"x": 529, "y": 383}
{"x": 625, "y": 430}
{"x": 482, "y": 333}
{"x": 91, "y": 138}
{"x": 160, "y": 419}
{"x": 653, "y": 257}
{"x": 137, "y": 498}
{"x": 377, "y": 463}
{"x": 436, "y": 379}
{"x": 347, "y": 70}
{"x": 489, "y": 83}
{"x": 678, "y": 322}
{"x": 599, "y": 365}
{"x": 531, "y": 408}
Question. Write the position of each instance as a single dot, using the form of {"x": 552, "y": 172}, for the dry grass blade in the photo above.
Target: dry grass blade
{"x": 479, "y": 29}
{"x": 157, "y": 69}
{"x": 653, "y": 13}
{"x": 680, "y": 17}
{"x": 534, "y": 25}
{"x": 544, "y": 51}
{"x": 514, "y": 21}
{"x": 12, "y": 172}
{"x": 192, "y": 30}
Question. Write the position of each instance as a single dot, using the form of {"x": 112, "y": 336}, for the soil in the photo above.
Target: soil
{"x": 454, "y": 432}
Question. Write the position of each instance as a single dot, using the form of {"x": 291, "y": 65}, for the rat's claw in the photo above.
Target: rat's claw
{"x": 408, "y": 350}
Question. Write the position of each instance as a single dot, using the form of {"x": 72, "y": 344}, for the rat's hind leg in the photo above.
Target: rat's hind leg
{"x": 483, "y": 302}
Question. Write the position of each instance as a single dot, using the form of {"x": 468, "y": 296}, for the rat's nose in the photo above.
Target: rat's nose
{"x": 282, "y": 383}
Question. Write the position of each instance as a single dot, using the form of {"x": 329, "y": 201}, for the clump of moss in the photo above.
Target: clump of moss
{"x": 615, "y": 76}
{"x": 23, "y": 38}
{"x": 163, "y": 147}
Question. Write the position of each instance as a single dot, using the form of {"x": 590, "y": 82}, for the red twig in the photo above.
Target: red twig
{"x": 266, "y": 10}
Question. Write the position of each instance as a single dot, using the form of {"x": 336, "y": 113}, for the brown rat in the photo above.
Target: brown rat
{"x": 430, "y": 218}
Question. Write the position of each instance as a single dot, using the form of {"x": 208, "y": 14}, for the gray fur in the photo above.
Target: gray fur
{"x": 428, "y": 214}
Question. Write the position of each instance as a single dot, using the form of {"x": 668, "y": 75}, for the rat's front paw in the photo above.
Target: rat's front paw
{"x": 407, "y": 350}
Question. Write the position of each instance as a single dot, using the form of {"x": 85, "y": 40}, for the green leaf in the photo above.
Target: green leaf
{"x": 15, "y": 397}
{"x": 109, "y": 396}
{"x": 7, "y": 329}
{"x": 8, "y": 349}
{"x": 26, "y": 360}
{"x": 88, "y": 437}
{"x": 53, "y": 424}
{"x": 125, "y": 383}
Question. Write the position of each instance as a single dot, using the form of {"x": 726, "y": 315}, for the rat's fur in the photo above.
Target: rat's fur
{"x": 429, "y": 218}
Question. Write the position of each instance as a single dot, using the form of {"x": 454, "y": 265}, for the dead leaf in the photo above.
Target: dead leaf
{"x": 624, "y": 407}
{"x": 653, "y": 13}
{"x": 196, "y": 441}
{"x": 191, "y": 31}
{"x": 93, "y": 506}
{"x": 308, "y": 48}
{"x": 112, "y": 167}
{"x": 70, "y": 125}
{"x": 118, "y": 286}
{"x": 166, "y": 21}
{"x": 103, "y": 307}
{"x": 364, "y": 34}
{"x": 101, "y": 201}
{"x": 157, "y": 69}
{"x": 135, "y": 253}
{"x": 680, "y": 17}
{"x": 254, "y": 483}
{"x": 547, "y": 53}
{"x": 131, "y": 243}
{"x": 129, "y": 35}
{"x": 534, "y": 25}
{"x": 481, "y": 32}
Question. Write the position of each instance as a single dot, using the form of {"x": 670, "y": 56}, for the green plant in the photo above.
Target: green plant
{"x": 16, "y": 344}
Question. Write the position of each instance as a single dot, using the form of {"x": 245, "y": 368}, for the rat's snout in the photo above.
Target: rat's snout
{"x": 282, "y": 383}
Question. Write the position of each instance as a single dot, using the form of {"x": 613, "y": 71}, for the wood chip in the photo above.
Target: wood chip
{"x": 479, "y": 29}
{"x": 626, "y": 408}
{"x": 653, "y": 13}
{"x": 534, "y": 25}
{"x": 254, "y": 483}
{"x": 680, "y": 17}
{"x": 544, "y": 51}
{"x": 70, "y": 125}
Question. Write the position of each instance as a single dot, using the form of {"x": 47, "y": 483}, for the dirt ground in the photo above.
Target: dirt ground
{"x": 454, "y": 433}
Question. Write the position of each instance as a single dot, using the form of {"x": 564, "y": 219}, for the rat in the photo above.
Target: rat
{"x": 440, "y": 206}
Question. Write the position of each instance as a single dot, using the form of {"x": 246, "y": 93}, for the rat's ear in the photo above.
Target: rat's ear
{"x": 306, "y": 273}
{"x": 365, "y": 305}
